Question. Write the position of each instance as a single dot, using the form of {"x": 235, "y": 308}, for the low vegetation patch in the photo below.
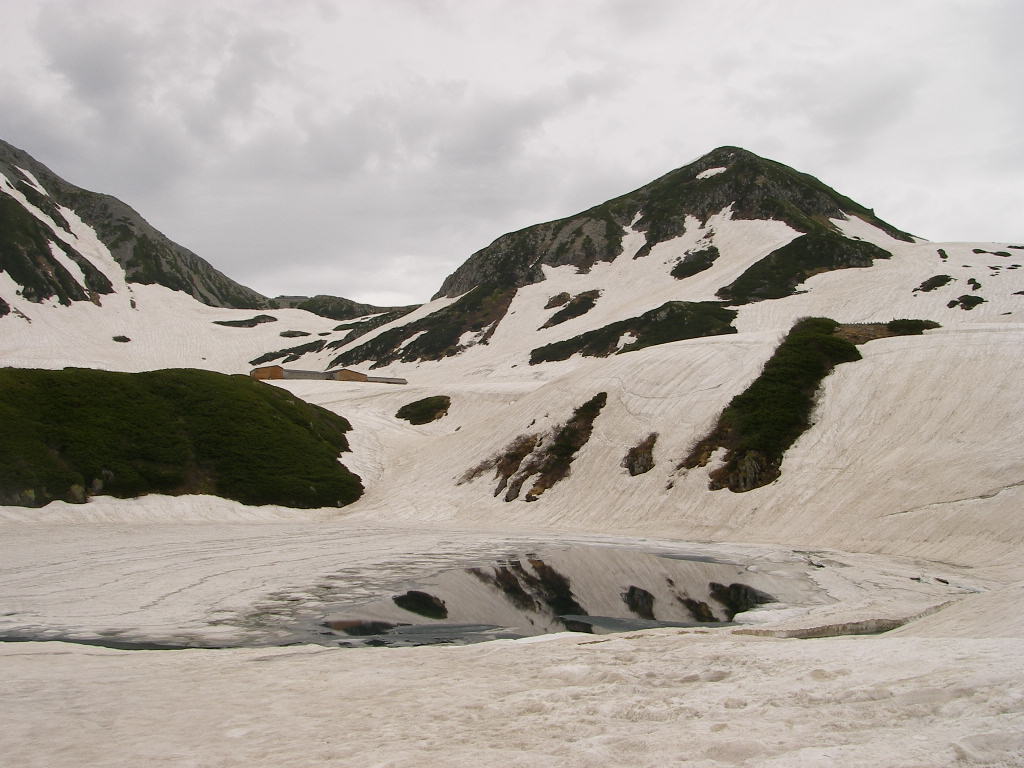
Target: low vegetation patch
{"x": 426, "y": 410}
{"x": 76, "y": 433}
{"x": 695, "y": 262}
{"x": 861, "y": 333}
{"x": 547, "y": 459}
{"x": 761, "y": 423}
{"x": 936, "y": 281}
{"x": 577, "y": 306}
{"x": 437, "y": 335}
{"x": 672, "y": 321}
{"x": 250, "y": 322}
{"x": 291, "y": 354}
{"x": 967, "y": 302}
{"x": 640, "y": 458}
{"x": 780, "y": 272}
{"x": 558, "y": 300}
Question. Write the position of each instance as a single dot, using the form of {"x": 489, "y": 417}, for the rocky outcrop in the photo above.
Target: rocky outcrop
{"x": 640, "y": 458}
{"x": 547, "y": 458}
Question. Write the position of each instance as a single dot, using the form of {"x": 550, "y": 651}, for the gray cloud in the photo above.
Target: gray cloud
{"x": 368, "y": 149}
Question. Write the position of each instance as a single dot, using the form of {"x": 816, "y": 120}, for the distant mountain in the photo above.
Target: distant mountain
{"x": 728, "y": 184}
{"x": 338, "y": 308}
{"x": 727, "y": 177}
{"x": 37, "y": 258}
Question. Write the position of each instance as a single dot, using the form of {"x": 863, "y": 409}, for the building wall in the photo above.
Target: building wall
{"x": 268, "y": 372}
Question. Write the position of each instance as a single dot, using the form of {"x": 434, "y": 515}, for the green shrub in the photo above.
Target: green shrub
{"x": 904, "y": 327}
{"x": 72, "y": 433}
{"x": 936, "y": 281}
{"x": 780, "y": 272}
{"x": 672, "y": 321}
{"x": 426, "y": 410}
{"x": 694, "y": 263}
{"x": 764, "y": 420}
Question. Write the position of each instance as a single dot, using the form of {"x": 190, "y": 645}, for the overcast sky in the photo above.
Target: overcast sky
{"x": 365, "y": 148}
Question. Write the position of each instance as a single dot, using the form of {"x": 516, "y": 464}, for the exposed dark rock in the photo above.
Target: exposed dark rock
{"x": 550, "y": 460}
{"x": 294, "y": 334}
{"x": 639, "y": 601}
{"x": 422, "y": 603}
{"x": 506, "y": 463}
{"x": 640, "y": 458}
{"x": 121, "y": 339}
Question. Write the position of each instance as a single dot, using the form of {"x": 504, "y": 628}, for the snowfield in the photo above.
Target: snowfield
{"x": 898, "y": 510}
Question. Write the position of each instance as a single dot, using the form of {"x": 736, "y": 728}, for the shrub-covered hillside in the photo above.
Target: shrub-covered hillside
{"x": 75, "y": 433}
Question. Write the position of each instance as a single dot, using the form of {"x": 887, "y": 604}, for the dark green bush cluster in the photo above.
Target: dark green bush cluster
{"x": 933, "y": 282}
{"x": 780, "y": 272}
{"x": 672, "y": 321}
{"x": 905, "y": 327}
{"x": 250, "y": 322}
{"x": 693, "y": 263}
{"x": 759, "y": 424}
{"x": 74, "y": 433}
{"x": 439, "y": 332}
{"x": 426, "y": 410}
{"x": 966, "y": 301}
{"x": 579, "y": 305}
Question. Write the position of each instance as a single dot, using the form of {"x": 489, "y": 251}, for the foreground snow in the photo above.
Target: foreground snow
{"x": 652, "y": 699}
{"x": 899, "y": 507}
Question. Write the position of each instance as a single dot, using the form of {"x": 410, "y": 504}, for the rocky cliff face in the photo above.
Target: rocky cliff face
{"x": 146, "y": 255}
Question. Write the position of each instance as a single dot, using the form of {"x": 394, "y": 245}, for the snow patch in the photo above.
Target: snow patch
{"x": 68, "y": 263}
{"x": 32, "y": 181}
{"x": 711, "y": 172}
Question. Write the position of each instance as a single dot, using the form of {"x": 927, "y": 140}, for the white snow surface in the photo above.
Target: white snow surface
{"x": 711, "y": 172}
{"x": 900, "y": 506}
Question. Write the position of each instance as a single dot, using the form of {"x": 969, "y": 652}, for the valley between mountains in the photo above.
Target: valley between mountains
{"x": 640, "y": 377}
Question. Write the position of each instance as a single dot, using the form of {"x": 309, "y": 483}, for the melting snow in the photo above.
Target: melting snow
{"x": 711, "y": 172}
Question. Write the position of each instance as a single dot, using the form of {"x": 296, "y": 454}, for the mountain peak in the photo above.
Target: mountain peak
{"x": 728, "y": 177}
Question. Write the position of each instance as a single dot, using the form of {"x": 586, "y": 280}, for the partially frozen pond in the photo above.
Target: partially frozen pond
{"x": 545, "y": 589}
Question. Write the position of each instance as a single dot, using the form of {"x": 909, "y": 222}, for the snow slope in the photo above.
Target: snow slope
{"x": 900, "y": 505}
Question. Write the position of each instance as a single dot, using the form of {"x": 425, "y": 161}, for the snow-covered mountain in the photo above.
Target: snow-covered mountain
{"x": 600, "y": 371}
{"x": 84, "y": 279}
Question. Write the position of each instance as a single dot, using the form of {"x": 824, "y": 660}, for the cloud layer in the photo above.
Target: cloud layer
{"x": 365, "y": 149}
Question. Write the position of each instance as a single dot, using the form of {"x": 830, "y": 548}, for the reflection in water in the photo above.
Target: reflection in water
{"x": 580, "y": 588}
